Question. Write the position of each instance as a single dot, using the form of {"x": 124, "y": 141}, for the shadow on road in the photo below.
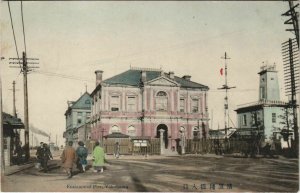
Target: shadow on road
{"x": 139, "y": 187}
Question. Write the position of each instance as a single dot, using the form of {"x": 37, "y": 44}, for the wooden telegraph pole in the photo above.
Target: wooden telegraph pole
{"x": 25, "y": 69}
{"x": 14, "y": 99}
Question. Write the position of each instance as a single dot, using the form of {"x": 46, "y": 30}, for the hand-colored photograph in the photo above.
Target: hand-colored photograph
{"x": 149, "y": 96}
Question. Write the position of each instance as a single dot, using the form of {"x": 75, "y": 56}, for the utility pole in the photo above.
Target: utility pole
{"x": 293, "y": 19}
{"x": 25, "y": 69}
{"x": 32, "y": 139}
{"x": 290, "y": 52}
{"x": 1, "y": 131}
{"x": 14, "y": 99}
{"x": 292, "y": 77}
{"x": 226, "y": 88}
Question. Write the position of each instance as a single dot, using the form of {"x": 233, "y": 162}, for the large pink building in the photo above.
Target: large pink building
{"x": 140, "y": 102}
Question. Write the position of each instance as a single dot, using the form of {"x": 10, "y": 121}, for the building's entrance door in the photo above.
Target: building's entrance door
{"x": 165, "y": 137}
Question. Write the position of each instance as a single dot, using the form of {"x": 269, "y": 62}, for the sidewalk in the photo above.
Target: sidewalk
{"x": 9, "y": 170}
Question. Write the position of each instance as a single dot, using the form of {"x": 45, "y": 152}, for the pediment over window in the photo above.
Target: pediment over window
{"x": 162, "y": 81}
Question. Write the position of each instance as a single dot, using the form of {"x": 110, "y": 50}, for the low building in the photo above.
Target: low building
{"x": 82, "y": 133}
{"x": 264, "y": 115}
{"x": 11, "y": 136}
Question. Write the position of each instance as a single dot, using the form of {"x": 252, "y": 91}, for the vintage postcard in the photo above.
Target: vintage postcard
{"x": 149, "y": 96}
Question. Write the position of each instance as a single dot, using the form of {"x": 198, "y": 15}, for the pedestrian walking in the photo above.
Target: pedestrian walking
{"x": 98, "y": 158}
{"x": 272, "y": 148}
{"x": 117, "y": 150}
{"x": 19, "y": 152}
{"x": 82, "y": 154}
{"x": 39, "y": 155}
{"x": 47, "y": 155}
{"x": 68, "y": 157}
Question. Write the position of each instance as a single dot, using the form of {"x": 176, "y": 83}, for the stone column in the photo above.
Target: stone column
{"x": 162, "y": 142}
{"x": 182, "y": 143}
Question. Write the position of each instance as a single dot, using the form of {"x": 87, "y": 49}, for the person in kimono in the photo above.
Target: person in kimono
{"x": 98, "y": 158}
{"x": 68, "y": 158}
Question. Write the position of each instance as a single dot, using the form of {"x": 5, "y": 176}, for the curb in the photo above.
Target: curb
{"x": 8, "y": 172}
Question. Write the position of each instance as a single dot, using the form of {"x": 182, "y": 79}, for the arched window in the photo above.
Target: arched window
{"x": 115, "y": 129}
{"x": 131, "y": 131}
{"x": 161, "y": 101}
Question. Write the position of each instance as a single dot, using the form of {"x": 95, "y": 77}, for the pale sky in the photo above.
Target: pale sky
{"x": 73, "y": 39}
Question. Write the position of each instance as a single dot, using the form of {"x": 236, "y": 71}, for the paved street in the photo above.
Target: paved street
{"x": 188, "y": 173}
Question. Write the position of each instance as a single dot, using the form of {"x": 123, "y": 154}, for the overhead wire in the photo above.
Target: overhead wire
{"x": 23, "y": 26}
{"x": 12, "y": 26}
{"x": 63, "y": 76}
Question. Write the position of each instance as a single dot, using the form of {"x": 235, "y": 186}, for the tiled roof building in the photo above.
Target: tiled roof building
{"x": 141, "y": 101}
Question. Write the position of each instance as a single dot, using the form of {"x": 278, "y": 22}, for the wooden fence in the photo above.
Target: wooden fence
{"x": 199, "y": 146}
{"x": 202, "y": 146}
{"x": 244, "y": 146}
{"x": 129, "y": 147}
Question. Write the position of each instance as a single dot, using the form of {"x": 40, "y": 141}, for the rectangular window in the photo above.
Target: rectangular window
{"x": 131, "y": 103}
{"x": 182, "y": 105}
{"x": 78, "y": 121}
{"x": 262, "y": 92}
{"x": 195, "y": 105}
{"x": 115, "y": 103}
{"x": 253, "y": 116}
{"x": 88, "y": 115}
{"x": 161, "y": 104}
{"x": 273, "y": 117}
{"x": 244, "y": 120}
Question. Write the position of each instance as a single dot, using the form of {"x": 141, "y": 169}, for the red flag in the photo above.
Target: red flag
{"x": 221, "y": 71}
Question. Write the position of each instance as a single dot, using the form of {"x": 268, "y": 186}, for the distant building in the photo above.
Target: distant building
{"x": 263, "y": 116}
{"x": 140, "y": 102}
{"x": 77, "y": 115}
{"x": 82, "y": 133}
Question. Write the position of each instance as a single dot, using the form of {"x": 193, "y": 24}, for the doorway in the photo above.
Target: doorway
{"x": 165, "y": 135}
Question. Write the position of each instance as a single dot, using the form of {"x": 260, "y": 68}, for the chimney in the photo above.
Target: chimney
{"x": 187, "y": 77}
{"x": 162, "y": 73}
{"x": 171, "y": 75}
{"x": 98, "y": 76}
{"x": 144, "y": 77}
{"x": 70, "y": 103}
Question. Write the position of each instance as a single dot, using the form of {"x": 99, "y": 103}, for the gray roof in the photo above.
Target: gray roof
{"x": 84, "y": 102}
{"x": 133, "y": 78}
{"x": 11, "y": 121}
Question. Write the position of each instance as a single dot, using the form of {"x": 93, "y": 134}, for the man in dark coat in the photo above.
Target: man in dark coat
{"x": 39, "y": 153}
{"x": 19, "y": 152}
{"x": 46, "y": 156}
